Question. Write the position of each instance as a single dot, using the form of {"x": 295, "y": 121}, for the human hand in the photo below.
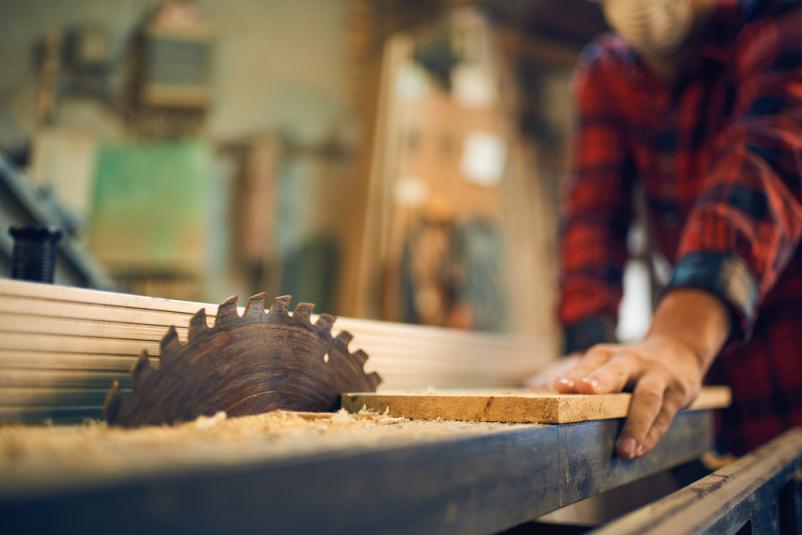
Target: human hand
{"x": 545, "y": 379}
{"x": 665, "y": 374}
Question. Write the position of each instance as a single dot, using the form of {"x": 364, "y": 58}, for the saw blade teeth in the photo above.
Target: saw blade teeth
{"x": 374, "y": 380}
{"x": 304, "y": 311}
{"x": 169, "y": 342}
{"x": 256, "y": 306}
{"x": 342, "y": 340}
{"x": 111, "y": 405}
{"x": 197, "y": 324}
{"x": 281, "y": 306}
{"x": 245, "y": 365}
{"x": 325, "y": 322}
{"x": 226, "y": 311}
{"x": 140, "y": 370}
{"x": 360, "y": 356}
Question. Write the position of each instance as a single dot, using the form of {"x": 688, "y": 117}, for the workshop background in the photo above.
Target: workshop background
{"x": 385, "y": 159}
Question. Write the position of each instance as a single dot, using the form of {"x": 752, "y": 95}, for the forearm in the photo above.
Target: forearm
{"x": 696, "y": 319}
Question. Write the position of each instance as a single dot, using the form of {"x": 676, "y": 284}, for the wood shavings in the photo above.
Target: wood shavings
{"x": 341, "y": 417}
{"x": 36, "y": 457}
{"x": 207, "y": 422}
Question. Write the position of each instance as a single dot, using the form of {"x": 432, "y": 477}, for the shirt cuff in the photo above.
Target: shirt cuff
{"x": 725, "y": 276}
{"x": 587, "y": 332}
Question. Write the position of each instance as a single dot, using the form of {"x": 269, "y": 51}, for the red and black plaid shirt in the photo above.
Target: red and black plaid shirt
{"x": 719, "y": 158}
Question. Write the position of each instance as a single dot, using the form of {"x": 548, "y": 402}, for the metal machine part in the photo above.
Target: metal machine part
{"x": 33, "y": 257}
{"x": 22, "y": 203}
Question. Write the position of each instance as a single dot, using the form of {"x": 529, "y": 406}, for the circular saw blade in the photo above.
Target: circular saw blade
{"x": 258, "y": 362}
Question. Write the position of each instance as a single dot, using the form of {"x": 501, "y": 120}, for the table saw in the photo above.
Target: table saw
{"x": 399, "y": 470}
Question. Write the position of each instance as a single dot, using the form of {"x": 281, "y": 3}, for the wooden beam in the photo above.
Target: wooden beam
{"x": 513, "y": 406}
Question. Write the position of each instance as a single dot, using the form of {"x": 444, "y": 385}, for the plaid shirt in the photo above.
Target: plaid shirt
{"x": 718, "y": 156}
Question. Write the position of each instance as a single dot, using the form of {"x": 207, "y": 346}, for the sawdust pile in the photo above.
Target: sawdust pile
{"x": 34, "y": 456}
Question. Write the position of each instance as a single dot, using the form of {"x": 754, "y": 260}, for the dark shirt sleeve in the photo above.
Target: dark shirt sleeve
{"x": 596, "y": 208}
{"x": 745, "y": 227}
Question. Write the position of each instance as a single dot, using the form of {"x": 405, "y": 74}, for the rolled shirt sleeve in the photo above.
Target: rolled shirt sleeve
{"x": 746, "y": 225}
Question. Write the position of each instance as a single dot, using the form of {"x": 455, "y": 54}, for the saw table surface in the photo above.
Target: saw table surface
{"x": 338, "y": 473}
{"x": 46, "y": 457}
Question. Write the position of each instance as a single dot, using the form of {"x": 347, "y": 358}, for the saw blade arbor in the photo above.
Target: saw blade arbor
{"x": 254, "y": 363}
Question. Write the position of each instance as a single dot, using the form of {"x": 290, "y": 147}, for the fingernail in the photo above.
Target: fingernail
{"x": 566, "y": 382}
{"x": 594, "y": 384}
{"x": 627, "y": 447}
{"x": 641, "y": 450}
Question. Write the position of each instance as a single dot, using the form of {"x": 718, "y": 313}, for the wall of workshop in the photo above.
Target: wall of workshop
{"x": 279, "y": 64}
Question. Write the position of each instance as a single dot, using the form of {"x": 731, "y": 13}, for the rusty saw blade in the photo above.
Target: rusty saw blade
{"x": 254, "y": 363}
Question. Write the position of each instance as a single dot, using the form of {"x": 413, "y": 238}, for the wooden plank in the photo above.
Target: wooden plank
{"x": 405, "y": 370}
{"x": 30, "y": 324}
{"x": 28, "y": 397}
{"x": 53, "y": 299}
{"x": 55, "y": 360}
{"x": 104, "y": 313}
{"x": 744, "y": 493}
{"x": 13, "y": 378}
{"x": 67, "y": 294}
{"x": 467, "y": 484}
{"x": 36, "y": 316}
{"x": 92, "y": 338}
{"x": 514, "y": 406}
{"x": 61, "y": 414}
{"x": 76, "y": 310}
{"x": 18, "y": 297}
{"x": 74, "y": 344}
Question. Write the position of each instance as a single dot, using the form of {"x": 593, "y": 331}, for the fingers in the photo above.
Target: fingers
{"x": 595, "y": 357}
{"x": 540, "y": 383}
{"x": 672, "y": 403}
{"x": 613, "y": 376}
{"x": 544, "y": 381}
{"x": 647, "y": 402}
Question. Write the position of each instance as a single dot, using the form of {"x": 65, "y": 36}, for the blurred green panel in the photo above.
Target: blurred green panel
{"x": 310, "y": 272}
{"x": 150, "y": 207}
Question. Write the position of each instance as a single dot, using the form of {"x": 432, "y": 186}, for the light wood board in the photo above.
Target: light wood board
{"x": 512, "y": 406}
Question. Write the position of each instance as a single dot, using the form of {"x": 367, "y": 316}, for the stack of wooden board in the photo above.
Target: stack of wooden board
{"x": 60, "y": 349}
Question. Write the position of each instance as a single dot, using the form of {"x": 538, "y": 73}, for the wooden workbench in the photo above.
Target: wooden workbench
{"x": 393, "y": 476}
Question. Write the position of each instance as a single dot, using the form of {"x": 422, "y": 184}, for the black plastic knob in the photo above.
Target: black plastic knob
{"x": 35, "y": 250}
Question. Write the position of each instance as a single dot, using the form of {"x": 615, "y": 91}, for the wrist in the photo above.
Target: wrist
{"x": 677, "y": 354}
{"x": 693, "y": 319}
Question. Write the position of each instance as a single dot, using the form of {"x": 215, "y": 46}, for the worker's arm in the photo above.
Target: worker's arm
{"x": 597, "y": 207}
{"x": 739, "y": 238}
